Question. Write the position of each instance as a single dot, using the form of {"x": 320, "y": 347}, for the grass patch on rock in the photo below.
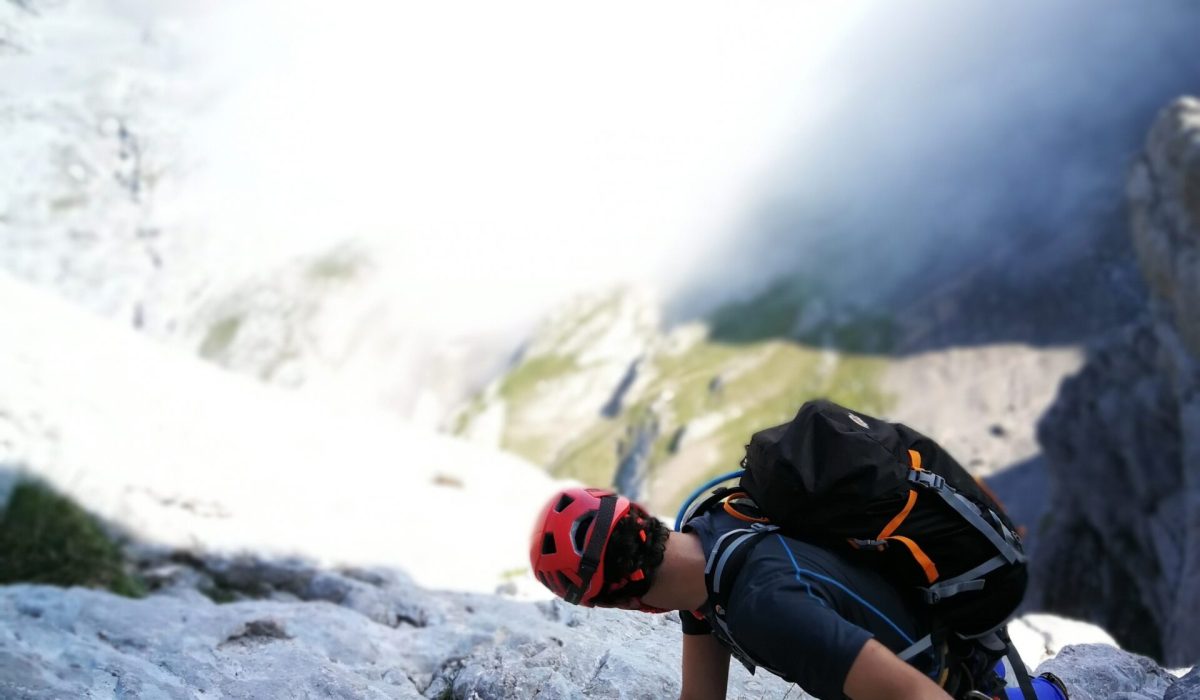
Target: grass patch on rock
{"x": 47, "y": 538}
{"x": 523, "y": 380}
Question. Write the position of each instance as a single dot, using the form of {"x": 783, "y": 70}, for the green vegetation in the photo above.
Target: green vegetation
{"x": 338, "y": 265}
{"x": 46, "y": 538}
{"x": 522, "y": 381}
{"x": 67, "y": 202}
{"x": 592, "y": 458}
{"x": 219, "y": 593}
{"x": 220, "y": 336}
{"x": 513, "y": 573}
{"x": 740, "y": 388}
{"x": 771, "y": 314}
{"x": 761, "y": 359}
{"x": 776, "y": 313}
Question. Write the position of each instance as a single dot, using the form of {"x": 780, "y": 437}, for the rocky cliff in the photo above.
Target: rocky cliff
{"x": 1122, "y": 441}
{"x": 292, "y": 630}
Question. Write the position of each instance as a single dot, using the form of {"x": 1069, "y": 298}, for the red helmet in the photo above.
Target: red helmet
{"x": 566, "y": 550}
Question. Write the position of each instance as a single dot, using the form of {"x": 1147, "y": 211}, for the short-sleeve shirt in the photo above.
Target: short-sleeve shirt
{"x": 805, "y": 612}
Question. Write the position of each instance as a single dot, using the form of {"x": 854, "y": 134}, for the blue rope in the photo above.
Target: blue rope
{"x": 848, "y": 592}
{"x": 688, "y": 501}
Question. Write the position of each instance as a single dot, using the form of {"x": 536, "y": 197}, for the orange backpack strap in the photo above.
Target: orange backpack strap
{"x": 730, "y": 506}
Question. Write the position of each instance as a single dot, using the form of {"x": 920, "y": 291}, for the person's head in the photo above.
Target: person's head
{"x": 593, "y": 547}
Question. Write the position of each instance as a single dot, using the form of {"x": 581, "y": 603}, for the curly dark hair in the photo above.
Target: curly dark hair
{"x": 637, "y": 544}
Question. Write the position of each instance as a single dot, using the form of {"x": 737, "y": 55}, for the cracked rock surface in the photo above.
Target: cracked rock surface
{"x": 296, "y": 630}
{"x": 314, "y": 633}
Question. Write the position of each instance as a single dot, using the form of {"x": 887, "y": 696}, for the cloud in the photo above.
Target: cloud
{"x": 960, "y": 135}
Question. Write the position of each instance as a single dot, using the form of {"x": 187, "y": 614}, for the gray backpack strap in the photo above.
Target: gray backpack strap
{"x": 1003, "y": 539}
{"x": 918, "y": 647}
{"x": 1007, "y": 544}
{"x": 1018, "y": 666}
{"x": 724, "y": 563}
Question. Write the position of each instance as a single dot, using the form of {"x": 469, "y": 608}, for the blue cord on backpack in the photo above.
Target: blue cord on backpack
{"x": 848, "y": 592}
{"x": 688, "y": 501}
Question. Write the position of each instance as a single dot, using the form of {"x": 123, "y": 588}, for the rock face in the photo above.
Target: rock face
{"x": 1100, "y": 672}
{"x": 1122, "y": 441}
{"x": 1164, "y": 191}
{"x": 288, "y": 628}
{"x": 988, "y": 399}
{"x": 357, "y": 634}
{"x": 575, "y": 369}
{"x": 299, "y": 631}
{"x": 91, "y": 154}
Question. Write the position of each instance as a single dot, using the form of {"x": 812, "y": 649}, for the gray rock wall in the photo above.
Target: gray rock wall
{"x": 297, "y": 631}
{"x": 1122, "y": 441}
{"x": 322, "y": 634}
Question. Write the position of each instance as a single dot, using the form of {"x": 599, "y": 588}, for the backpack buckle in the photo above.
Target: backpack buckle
{"x": 927, "y": 479}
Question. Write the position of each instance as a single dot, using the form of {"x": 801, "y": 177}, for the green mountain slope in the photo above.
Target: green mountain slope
{"x": 660, "y": 412}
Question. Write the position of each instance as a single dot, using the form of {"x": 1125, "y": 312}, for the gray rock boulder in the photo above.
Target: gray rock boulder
{"x": 1101, "y": 672}
{"x": 1187, "y": 688}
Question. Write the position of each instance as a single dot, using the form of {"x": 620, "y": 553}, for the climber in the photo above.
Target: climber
{"x": 835, "y": 631}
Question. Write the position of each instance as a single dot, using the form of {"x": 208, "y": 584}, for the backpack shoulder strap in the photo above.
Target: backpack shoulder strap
{"x": 724, "y": 562}
{"x": 1007, "y": 543}
{"x": 726, "y": 559}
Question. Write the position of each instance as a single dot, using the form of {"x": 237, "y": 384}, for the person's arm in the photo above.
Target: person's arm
{"x": 705, "y": 668}
{"x": 878, "y": 674}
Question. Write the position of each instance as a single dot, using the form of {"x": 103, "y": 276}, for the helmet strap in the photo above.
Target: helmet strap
{"x": 594, "y": 548}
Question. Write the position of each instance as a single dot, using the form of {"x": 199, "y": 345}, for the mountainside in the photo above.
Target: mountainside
{"x": 1122, "y": 543}
{"x": 663, "y": 410}
{"x": 92, "y": 204}
{"x": 667, "y": 409}
{"x": 177, "y": 453}
{"x": 104, "y": 198}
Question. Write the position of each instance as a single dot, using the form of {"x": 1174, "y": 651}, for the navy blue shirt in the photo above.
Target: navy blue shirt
{"x": 805, "y": 612}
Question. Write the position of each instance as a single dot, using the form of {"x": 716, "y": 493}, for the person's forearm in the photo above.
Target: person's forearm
{"x": 878, "y": 674}
{"x": 705, "y": 668}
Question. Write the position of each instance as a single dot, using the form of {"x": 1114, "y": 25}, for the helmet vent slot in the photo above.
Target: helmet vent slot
{"x": 548, "y": 544}
{"x": 563, "y": 502}
{"x": 563, "y": 581}
{"x": 579, "y": 532}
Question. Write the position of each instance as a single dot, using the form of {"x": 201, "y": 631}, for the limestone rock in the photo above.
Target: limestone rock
{"x": 1122, "y": 441}
{"x": 1164, "y": 194}
{"x": 1187, "y": 688}
{"x": 301, "y": 631}
{"x": 1102, "y": 672}
{"x": 68, "y": 643}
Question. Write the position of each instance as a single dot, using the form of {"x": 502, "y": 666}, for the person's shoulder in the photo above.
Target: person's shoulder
{"x": 712, "y": 523}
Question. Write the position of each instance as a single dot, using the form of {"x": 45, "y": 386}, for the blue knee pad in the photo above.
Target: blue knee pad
{"x": 1042, "y": 688}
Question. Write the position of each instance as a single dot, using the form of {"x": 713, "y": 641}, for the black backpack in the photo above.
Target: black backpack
{"x": 894, "y": 500}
